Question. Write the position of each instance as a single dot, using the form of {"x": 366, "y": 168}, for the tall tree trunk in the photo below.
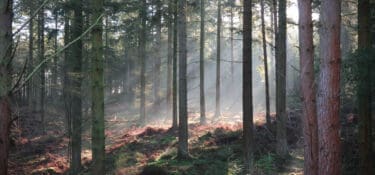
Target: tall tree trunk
{"x": 6, "y": 17}
{"x": 42, "y": 68}
{"x": 265, "y": 60}
{"x": 201, "y": 66}
{"x": 54, "y": 67}
{"x": 247, "y": 94}
{"x": 158, "y": 55}
{"x": 364, "y": 89}
{"x": 31, "y": 85}
{"x": 107, "y": 70}
{"x": 328, "y": 100}
{"x": 232, "y": 39}
{"x": 66, "y": 85}
{"x": 309, "y": 121}
{"x": 175, "y": 45}
{"x": 142, "y": 55}
{"x": 75, "y": 79}
{"x": 97, "y": 78}
{"x": 170, "y": 57}
{"x": 218, "y": 60}
{"x": 281, "y": 116}
{"x": 183, "y": 151}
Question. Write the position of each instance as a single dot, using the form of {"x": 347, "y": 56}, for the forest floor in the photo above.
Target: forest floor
{"x": 215, "y": 149}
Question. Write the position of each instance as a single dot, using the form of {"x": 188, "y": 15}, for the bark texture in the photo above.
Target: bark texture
{"x": 183, "y": 152}
{"x": 309, "y": 121}
{"x": 97, "y": 87}
{"x": 201, "y": 65}
{"x": 6, "y": 12}
{"x": 328, "y": 100}
{"x": 247, "y": 95}
{"x": 281, "y": 116}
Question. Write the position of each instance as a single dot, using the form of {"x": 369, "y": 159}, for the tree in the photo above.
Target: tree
{"x": 201, "y": 65}
{"x": 157, "y": 59}
{"x": 171, "y": 8}
{"x": 309, "y": 121}
{"x": 282, "y": 148}
{"x": 6, "y": 13}
{"x": 247, "y": 94}
{"x": 31, "y": 86}
{"x": 232, "y": 39}
{"x": 142, "y": 55}
{"x": 328, "y": 99}
{"x": 42, "y": 68}
{"x": 218, "y": 59}
{"x": 74, "y": 71}
{"x": 97, "y": 87}
{"x": 183, "y": 151}
{"x": 174, "y": 88}
{"x": 265, "y": 60}
{"x": 364, "y": 87}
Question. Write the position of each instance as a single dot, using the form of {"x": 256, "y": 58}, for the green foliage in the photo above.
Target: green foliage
{"x": 266, "y": 164}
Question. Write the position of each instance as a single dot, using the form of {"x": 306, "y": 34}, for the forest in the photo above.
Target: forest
{"x": 187, "y": 87}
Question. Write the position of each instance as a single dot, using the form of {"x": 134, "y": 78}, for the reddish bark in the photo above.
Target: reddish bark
{"x": 328, "y": 103}
{"x": 310, "y": 128}
{"x": 4, "y": 134}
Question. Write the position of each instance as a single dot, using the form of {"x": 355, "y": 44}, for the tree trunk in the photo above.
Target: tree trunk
{"x": 183, "y": 151}
{"x": 328, "y": 100}
{"x": 98, "y": 139}
{"x": 218, "y": 59}
{"x": 158, "y": 55}
{"x": 232, "y": 39}
{"x": 66, "y": 85}
{"x": 75, "y": 79}
{"x": 170, "y": 57}
{"x": 54, "y": 86}
{"x": 265, "y": 60}
{"x": 31, "y": 86}
{"x": 364, "y": 88}
{"x": 309, "y": 121}
{"x": 281, "y": 116}
{"x": 6, "y": 12}
{"x": 142, "y": 55}
{"x": 175, "y": 45}
{"x": 42, "y": 68}
{"x": 247, "y": 95}
{"x": 201, "y": 66}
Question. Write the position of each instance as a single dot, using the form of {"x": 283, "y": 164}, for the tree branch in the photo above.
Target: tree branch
{"x": 49, "y": 57}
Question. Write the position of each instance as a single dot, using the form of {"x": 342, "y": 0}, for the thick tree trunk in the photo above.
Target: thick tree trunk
{"x": 281, "y": 116}
{"x": 265, "y": 61}
{"x": 247, "y": 95}
{"x": 309, "y": 121}
{"x": 97, "y": 87}
{"x": 174, "y": 89}
{"x": 364, "y": 88}
{"x": 183, "y": 151}
{"x": 328, "y": 100}
{"x": 142, "y": 55}
{"x": 6, "y": 13}
{"x": 201, "y": 65}
{"x": 218, "y": 60}
{"x": 75, "y": 79}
